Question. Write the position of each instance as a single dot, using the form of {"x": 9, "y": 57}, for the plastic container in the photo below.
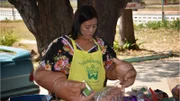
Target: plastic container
{"x": 31, "y": 98}
{"x": 16, "y": 66}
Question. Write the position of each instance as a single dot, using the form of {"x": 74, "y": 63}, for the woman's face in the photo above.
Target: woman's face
{"x": 88, "y": 28}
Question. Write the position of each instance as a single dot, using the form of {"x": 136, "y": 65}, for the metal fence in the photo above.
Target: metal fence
{"x": 9, "y": 14}
{"x": 144, "y": 18}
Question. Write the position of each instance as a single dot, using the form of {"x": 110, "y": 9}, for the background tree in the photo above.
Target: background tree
{"x": 126, "y": 28}
{"x": 49, "y": 19}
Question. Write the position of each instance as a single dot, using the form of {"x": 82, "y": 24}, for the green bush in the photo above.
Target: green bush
{"x": 159, "y": 24}
{"x": 153, "y": 25}
{"x": 127, "y": 45}
{"x": 139, "y": 26}
{"x": 7, "y": 37}
{"x": 175, "y": 24}
{"x": 116, "y": 45}
{"x": 165, "y": 24}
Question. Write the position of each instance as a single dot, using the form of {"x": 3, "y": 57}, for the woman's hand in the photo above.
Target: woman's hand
{"x": 71, "y": 90}
{"x": 56, "y": 82}
{"x": 125, "y": 72}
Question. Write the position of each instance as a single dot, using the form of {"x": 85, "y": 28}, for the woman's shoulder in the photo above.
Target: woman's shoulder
{"x": 59, "y": 42}
{"x": 65, "y": 37}
{"x": 62, "y": 38}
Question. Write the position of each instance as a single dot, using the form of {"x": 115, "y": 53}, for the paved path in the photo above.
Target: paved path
{"x": 153, "y": 74}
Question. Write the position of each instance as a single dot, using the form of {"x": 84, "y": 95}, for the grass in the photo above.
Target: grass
{"x": 18, "y": 27}
{"x": 5, "y": 4}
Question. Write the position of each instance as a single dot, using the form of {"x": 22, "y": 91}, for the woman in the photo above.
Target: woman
{"x": 80, "y": 56}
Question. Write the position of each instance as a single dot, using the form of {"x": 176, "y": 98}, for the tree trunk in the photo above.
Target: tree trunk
{"x": 49, "y": 19}
{"x": 46, "y": 19}
{"x": 108, "y": 12}
{"x": 126, "y": 28}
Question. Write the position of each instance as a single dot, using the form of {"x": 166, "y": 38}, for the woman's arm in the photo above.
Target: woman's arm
{"x": 57, "y": 83}
{"x": 45, "y": 75}
{"x": 47, "y": 78}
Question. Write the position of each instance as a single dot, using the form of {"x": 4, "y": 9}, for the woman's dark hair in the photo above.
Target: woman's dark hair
{"x": 84, "y": 13}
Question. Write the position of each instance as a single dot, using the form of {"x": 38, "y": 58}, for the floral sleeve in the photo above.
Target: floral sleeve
{"x": 108, "y": 52}
{"x": 58, "y": 56}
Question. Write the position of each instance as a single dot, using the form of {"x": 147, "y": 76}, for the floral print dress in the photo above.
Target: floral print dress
{"x": 59, "y": 54}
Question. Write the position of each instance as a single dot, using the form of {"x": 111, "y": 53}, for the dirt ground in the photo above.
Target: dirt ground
{"x": 154, "y": 42}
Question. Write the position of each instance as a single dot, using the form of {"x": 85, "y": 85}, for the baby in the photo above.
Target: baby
{"x": 175, "y": 92}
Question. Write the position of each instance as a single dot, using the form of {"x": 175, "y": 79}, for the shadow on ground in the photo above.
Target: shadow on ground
{"x": 155, "y": 70}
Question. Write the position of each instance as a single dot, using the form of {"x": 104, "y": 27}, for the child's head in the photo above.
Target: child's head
{"x": 176, "y": 92}
{"x": 122, "y": 68}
